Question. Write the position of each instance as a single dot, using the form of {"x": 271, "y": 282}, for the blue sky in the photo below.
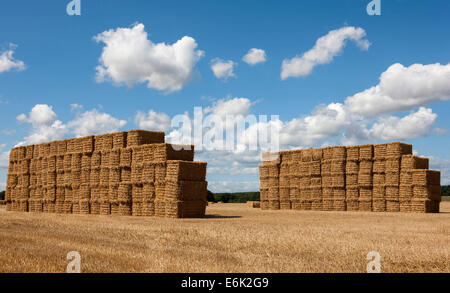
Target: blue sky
{"x": 60, "y": 56}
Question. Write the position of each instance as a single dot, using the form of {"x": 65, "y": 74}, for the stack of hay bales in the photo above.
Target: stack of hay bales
{"x": 378, "y": 178}
{"x": 124, "y": 173}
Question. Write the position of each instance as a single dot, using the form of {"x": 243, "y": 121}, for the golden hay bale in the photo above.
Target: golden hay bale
{"x": 379, "y": 179}
{"x": 352, "y": 153}
{"x": 114, "y": 159}
{"x": 339, "y": 205}
{"x": 351, "y": 192}
{"x": 379, "y": 166}
{"x": 119, "y": 140}
{"x": 406, "y": 178}
{"x": 125, "y": 157}
{"x": 431, "y": 192}
{"x": 338, "y": 166}
{"x": 317, "y": 154}
{"x": 365, "y": 205}
{"x": 365, "y": 179}
{"x": 352, "y": 205}
{"x": 339, "y": 152}
{"x": 405, "y": 192}
{"x": 136, "y": 173}
{"x": 392, "y": 193}
{"x": 264, "y": 194}
{"x": 125, "y": 209}
{"x": 284, "y": 193}
{"x": 351, "y": 179}
{"x": 426, "y": 177}
{"x": 327, "y": 204}
{"x": 398, "y": 149}
{"x": 338, "y": 180}
{"x": 365, "y": 193}
{"x": 307, "y": 155}
{"x": 392, "y": 206}
{"x": 366, "y": 152}
{"x": 274, "y": 204}
{"x": 339, "y": 193}
{"x": 96, "y": 159}
{"x": 294, "y": 193}
{"x": 125, "y": 175}
{"x": 141, "y": 137}
{"x": 189, "y": 171}
{"x": 87, "y": 144}
{"x": 285, "y": 205}
{"x": 425, "y": 206}
{"x": 410, "y": 162}
{"x": 392, "y": 179}
{"x": 365, "y": 166}
{"x": 327, "y": 193}
{"x": 124, "y": 193}
{"x": 379, "y": 205}
{"x": 380, "y": 151}
{"x": 315, "y": 168}
{"x": 95, "y": 176}
{"x": 352, "y": 167}
{"x": 274, "y": 193}
{"x": 148, "y": 209}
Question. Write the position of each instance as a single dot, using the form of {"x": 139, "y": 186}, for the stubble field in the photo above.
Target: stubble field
{"x": 232, "y": 238}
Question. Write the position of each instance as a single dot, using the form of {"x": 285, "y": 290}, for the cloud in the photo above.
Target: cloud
{"x": 230, "y": 106}
{"x": 223, "y": 69}
{"x": 233, "y": 186}
{"x": 129, "y": 57}
{"x": 94, "y": 122}
{"x": 152, "y": 121}
{"x": 45, "y": 126}
{"x": 7, "y": 61}
{"x": 444, "y": 166}
{"x": 403, "y": 88}
{"x": 440, "y": 131}
{"x": 255, "y": 56}
{"x": 325, "y": 49}
{"x": 4, "y": 157}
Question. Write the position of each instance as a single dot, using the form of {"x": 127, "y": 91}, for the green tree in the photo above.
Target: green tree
{"x": 2, "y": 195}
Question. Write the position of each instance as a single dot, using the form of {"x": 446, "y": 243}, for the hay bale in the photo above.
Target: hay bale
{"x": 136, "y": 173}
{"x": 113, "y": 194}
{"x": 61, "y": 147}
{"x": 274, "y": 193}
{"x": 351, "y": 192}
{"x": 393, "y": 164}
{"x": 424, "y": 206}
{"x": 160, "y": 208}
{"x": 85, "y": 176}
{"x": 380, "y": 151}
{"x": 284, "y": 193}
{"x": 326, "y": 167}
{"x": 426, "y": 177}
{"x": 96, "y": 159}
{"x": 405, "y": 206}
{"x": 148, "y": 209}
{"x": 87, "y": 144}
{"x": 316, "y": 181}
{"x": 365, "y": 179}
{"x": 410, "y": 162}
{"x": 124, "y": 193}
{"x": 125, "y": 209}
{"x": 352, "y": 205}
{"x": 398, "y": 149}
{"x": 307, "y": 155}
{"x": 315, "y": 168}
{"x": 339, "y": 153}
{"x": 160, "y": 171}
{"x": 274, "y": 204}
{"x": 294, "y": 193}
{"x": 352, "y": 153}
{"x": 327, "y": 193}
{"x": 284, "y": 182}
{"x": 164, "y": 152}
{"x": 405, "y": 192}
{"x": 264, "y": 194}
{"x": 141, "y": 137}
{"x": 338, "y": 180}
{"x": 431, "y": 192}
{"x": 105, "y": 158}
{"x": 365, "y": 193}
{"x": 285, "y": 205}
{"x": 379, "y": 205}
{"x": 366, "y": 152}
{"x": 393, "y": 193}
{"x": 406, "y": 178}
{"x": 148, "y": 173}
{"x": 119, "y": 140}
{"x": 137, "y": 209}
{"x": 338, "y": 166}
{"x": 352, "y": 167}
{"x": 105, "y": 208}
{"x": 125, "y": 175}
{"x": 365, "y": 166}
{"x": 126, "y": 157}
{"x": 379, "y": 179}
{"x": 68, "y": 179}
{"x": 114, "y": 159}
{"x": 379, "y": 192}
{"x": 328, "y": 204}
{"x": 339, "y": 205}
{"x": 365, "y": 205}
{"x": 392, "y": 178}
{"x": 392, "y": 206}
{"x": 265, "y": 205}
{"x": 187, "y": 171}
{"x": 29, "y": 150}
{"x": 379, "y": 166}
{"x": 305, "y": 182}
{"x": 264, "y": 170}
{"x": 114, "y": 177}
{"x": 339, "y": 193}
{"x": 317, "y": 205}
{"x": 306, "y": 205}
{"x": 95, "y": 176}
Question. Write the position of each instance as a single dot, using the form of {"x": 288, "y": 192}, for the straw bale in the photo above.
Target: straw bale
{"x": 50, "y": 193}
{"x": 379, "y": 205}
{"x": 379, "y": 192}
{"x": 125, "y": 157}
{"x": 59, "y": 207}
{"x": 105, "y": 208}
{"x": 148, "y": 209}
{"x": 365, "y": 179}
{"x": 297, "y": 156}
{"x": 254, "y": 204}
{"x": 160, "y": 208}
{"x": 327, "y": 153}
{"x": 352, "y": 167}
{"x": 263, "y": 170}
{"x": 365, "y": 166}
{"x": 125, "y": 175}
{"x": 44, "y": 166}
{"x": 61, "y": 147}
{"x": 294, "y": 169}
{"x": 136, "y": 194}
{"x": 193, "y": 209}
{"x": 107, "y": 142}
{"x": 273, "y": 157}
{"x": 70, "y": 147}
{"x": 314, "y": 168}
{"x": 164, "y": 152}
{"x": 338, "y": 166}
{"x": 351, "y": 192}
{"x": 274, "y": 193}
{"x": 87, "y": 144}
{"x": 392, "y": 178}
{"x": 273, "y": 170}
{"x": 59, "y": 164}
{"x": 60, "y": 182}
{"x": 119, "y": 140}
{"x": 305, "y": 181}
{"x": 84, "y": 193}
{"x": 85, "y": 176}
{"x": 339, "y": 153}
{"x": 160, "y": 171}
{"x": 431, "y": 192}
{"x": 365, "y": 193}
{"x": 339, "y": 193}
{"x": 327, "y": 181}
{"x": 95, "y": 208}
{"x": 189, "y": 171}
{"x": 328, "y": 204}
{"x": 67, "y": 179}
{"x": 410, "y": 162}
{"x": 264, "y": 194}
{"x": 274, "y": 204}
{"x": 338, "y": 180}
{"x": 284, "y": 193}
{"x": 379, "y": 166}
{"x": 426, "y": 177}
{"x": 352, "y": 153}
{"x": 29, "y": 152}
{"x": 160, "y": 190}
{"x": 95, "y": 176}
{"x": 264, "y": 205}
{"x": 327, "y": 193}
{"x": 392, "y": 206}
{"x": 114, "y": 159}
{"x": 285, "y": 204}
{"x": 148, "y": 192}
{"x": 294, "y": 193}
{"x": 380, "y": 151}
{"x": 424, "y": 206}
{"x": 365, "y": 205}
{"x": 284, "y": 182}
{"x": 392, "y": 193}
{"x": 103, "y": 194}
{"x": 50, "y": 207}
{"x": 317, "y": 154}
{"x": 406, "y": 178}
{"x": 284, "y": 169}
{"x": 12, "y": 180}
{"x": 295, "y": 205}
{"x": 64, "y": 194}
{"x": 393, "y": 164}
{"x": 339, "y": 205}
{"x": 114, "y": 177}
{"x": 104, "y": 176}
{"x": 137, "y": 209}
{"x": 125, "y": 193}
{"x": 51, "y": 164}
{"x": 274, "y": 182}
{"x": 398, "y": 149}
{"x": 352, "y": 205}
{"x": 67, "y": 207}
{"x": 351, "y": 179}
{"x": 148, "y": 173}
{"x": 286, "y": 156}
{"x": 317, "y": 205}
{"x": 304, "y": 169}
{"x": 96, "y": 159}
{"x": 113, "y": 194}
{"x": 36, "y": 152}
{"x": 307, "y": 155}
{"x": 366, "y": 152}
{"x": 76, "y": 208}
{"x": 316, "y": 181}
{"x": 405, "y": 192}
{"x": 326, "y": 167}
{"x": 405, "y": 206}
{"x": 115, "y": 209}
{"x": 105, "y": 158}
{"x": 46, "y": 150}
{"x": 141, "y": 137}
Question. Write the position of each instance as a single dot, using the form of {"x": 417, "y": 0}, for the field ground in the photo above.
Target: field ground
{"x": 233, "y": 238}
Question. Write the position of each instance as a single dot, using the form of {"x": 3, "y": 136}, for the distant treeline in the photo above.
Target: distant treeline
{"x": 237, "y": 197}
{"x": 2, "y": 195}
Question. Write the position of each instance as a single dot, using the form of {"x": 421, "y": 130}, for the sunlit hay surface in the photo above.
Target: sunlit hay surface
{"x": 233, "y": 238}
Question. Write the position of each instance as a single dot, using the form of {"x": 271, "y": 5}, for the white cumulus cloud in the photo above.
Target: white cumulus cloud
{"x": 152, "y": 121}
{"x": 325, "y": 49}
{"x": 94, "y": 122}
{"x": 8, "y": 62}
{"x": 223, "y": 69}
{"x": 255, "y": 56}
{"x": 129, "y": 57}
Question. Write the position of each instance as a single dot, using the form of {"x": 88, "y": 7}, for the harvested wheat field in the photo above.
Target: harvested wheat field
{"x": 232, "y": 238}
